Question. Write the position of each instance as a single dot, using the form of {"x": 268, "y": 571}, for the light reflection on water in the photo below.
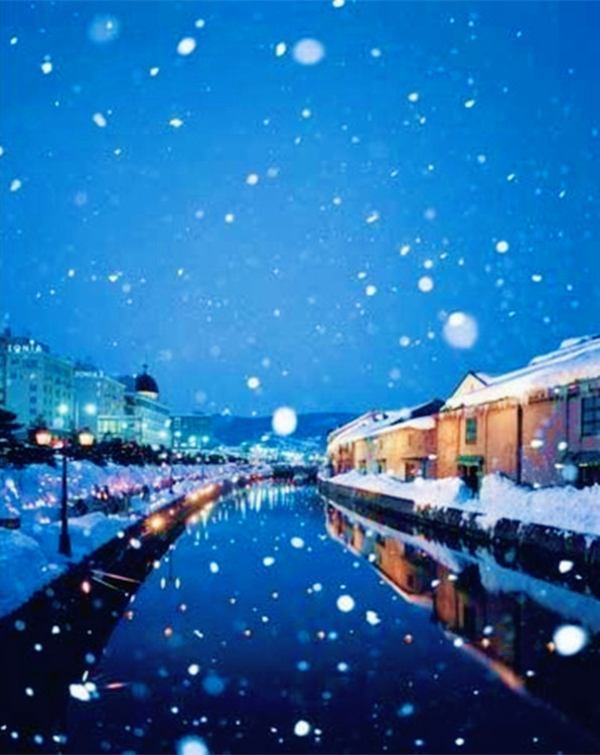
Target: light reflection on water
{"x": 255, "y": 632}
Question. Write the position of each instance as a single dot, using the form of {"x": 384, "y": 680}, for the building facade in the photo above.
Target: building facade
{"x": 96, "y": 395}
{"x": 190, "y": 431}
{"x": 144, "y": 418}
{"x": 538, "y": 425}
{"x": 37, "y": 385}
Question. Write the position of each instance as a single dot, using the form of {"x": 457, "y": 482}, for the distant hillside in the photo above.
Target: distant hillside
{"x": 231, "y": 431}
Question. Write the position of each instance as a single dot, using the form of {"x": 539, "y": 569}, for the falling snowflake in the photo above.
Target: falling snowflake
{"x": 104, "y": 29}
{"x": 192, "y": 746}
{"x": 502, "y": 247}
{"x": 297, "y": 542}
{"x": 372, "y": 217}
{"x": 186, "y": 46}
{"x": 308, "y": 52}
{"x": 99, "y": 120}
{"x": 284, "y": 421}
{"x": 252, "y": 179}
{"x": 425, "y": 284}
{"x": 302, "y": 728}
{"x": 15, "y": 184}
{"x": 345, "y": 603}
{"x": 461, "y": 330}
{"x": 371, "y": 290}
{"x": 372, "y": 618}
{"x": 413, "y": 97}
{"x": 280, "y": 49}
{"x": 570, "y": 639}
{"x": 176, "y": 122}
{"x": 46, "y": 67}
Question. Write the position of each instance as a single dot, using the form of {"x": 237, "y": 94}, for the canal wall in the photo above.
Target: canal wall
{"x": 533, "y": 541}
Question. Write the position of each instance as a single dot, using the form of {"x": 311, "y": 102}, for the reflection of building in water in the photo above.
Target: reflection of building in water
{"x": 510, "y": 630}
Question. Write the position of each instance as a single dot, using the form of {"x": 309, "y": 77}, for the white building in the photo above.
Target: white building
{"x": 96, "y": 394}
{"x": 144, "y": 419}
{"x": 36, "y": 385}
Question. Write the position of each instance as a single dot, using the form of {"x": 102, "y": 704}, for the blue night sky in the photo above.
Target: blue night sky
{"x": 267, "y": 207}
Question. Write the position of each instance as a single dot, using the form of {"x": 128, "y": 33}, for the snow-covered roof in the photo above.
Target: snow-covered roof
{"x": 368, "y": 424}
{"x": 375, "y": 422}
{"x": 418, "y": 423}
{"x": 576, "y": 359}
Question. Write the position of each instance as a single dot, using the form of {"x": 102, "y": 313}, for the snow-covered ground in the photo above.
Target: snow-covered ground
{"x": 29, "y": 557}
{"x": 564, "y": 507}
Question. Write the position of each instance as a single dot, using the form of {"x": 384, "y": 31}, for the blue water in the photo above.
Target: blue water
{"x": 222, "y": 651}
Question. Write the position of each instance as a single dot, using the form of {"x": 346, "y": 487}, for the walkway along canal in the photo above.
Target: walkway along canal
{"x": 275, "y": 621}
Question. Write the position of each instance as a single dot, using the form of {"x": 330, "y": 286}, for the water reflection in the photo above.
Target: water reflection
{"x": 540, "y": 638}
{"x": 49, "y": 646}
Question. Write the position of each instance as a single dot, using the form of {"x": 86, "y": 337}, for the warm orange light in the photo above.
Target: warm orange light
{"x": 156, "y": 523}
{"x": 43, "y": 437}
{"x": 86, "y": 438}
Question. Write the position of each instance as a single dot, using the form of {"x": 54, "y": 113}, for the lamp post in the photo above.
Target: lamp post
{"x": 44, "y": 438}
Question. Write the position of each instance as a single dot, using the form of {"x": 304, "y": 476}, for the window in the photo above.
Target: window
{"x": 471, "y": 430}
{"x": 590, "y": 415}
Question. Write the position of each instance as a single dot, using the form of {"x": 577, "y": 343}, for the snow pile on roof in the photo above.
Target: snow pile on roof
{"x": 563, "y": 507}
{"x": 367, "y": 424}
{"x": 577, "y": 359}
{"x": 375, "y": 422}
{"x": 418, "y": 423}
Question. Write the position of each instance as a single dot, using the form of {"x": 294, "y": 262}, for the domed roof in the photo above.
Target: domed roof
{"x": 145, "y": 383}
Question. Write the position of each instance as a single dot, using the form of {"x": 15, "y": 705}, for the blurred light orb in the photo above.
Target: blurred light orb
{"x": 308, "y": 52}
{"x": 104, "y": 29}
{"x": 570, "y": 472}
{"x": 186, "y": 46}
{"x": 192, "y": 746}
{"x": 285, "y": 420}
{"x": 426, "y": 284}
{"x": 213, "y": 685}
{"x": 502, "y": 247}
{"x": 460, "y": 330}
{"x": 253, "y": 383}
{"x": 345, "y": 603}
{"x": 570, "y": 639}
{"x": 302, "y": 728}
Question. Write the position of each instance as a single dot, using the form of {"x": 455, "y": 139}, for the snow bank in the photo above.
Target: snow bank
{"x": 563, "y": 507}
{"x": 29, "y": 557}
{"x": 24, "y": 568}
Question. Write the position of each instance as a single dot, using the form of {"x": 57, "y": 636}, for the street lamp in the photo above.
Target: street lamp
{"x": 44, "y": 438}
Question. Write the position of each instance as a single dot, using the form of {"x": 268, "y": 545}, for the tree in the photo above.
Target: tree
{"x": 8, "y": 426}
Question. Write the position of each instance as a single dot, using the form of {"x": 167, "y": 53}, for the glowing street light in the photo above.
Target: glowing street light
{"x": 44, "y": 438}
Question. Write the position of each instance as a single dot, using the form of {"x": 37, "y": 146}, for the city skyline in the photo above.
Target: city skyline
{"x": 328, "y": 206}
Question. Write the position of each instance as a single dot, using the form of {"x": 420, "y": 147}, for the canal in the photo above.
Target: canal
{"x": 275, "y": 621}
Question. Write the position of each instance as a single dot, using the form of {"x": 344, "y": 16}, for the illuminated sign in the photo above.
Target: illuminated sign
{"x": 25, "y": 348}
